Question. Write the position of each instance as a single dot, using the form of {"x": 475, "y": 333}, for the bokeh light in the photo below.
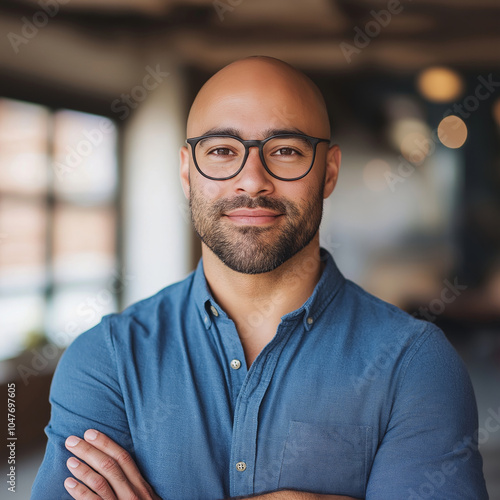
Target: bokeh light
{"x": 413, "y": 138}
{"x": 440, "y": 84}
{"x": 452, "y": 132}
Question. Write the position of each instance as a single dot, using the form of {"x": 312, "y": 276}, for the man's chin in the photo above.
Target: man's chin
{"x": 250, "y": 268}
{"x": 247, "y": 255}
{"x": 252, "y": 255}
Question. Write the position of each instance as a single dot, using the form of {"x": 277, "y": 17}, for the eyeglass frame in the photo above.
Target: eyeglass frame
{"x": 193, "y": 141}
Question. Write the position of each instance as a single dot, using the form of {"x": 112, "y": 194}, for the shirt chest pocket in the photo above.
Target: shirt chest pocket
{"x": 326, "y": 459}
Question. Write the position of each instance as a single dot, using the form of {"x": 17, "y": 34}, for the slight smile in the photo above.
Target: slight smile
{"x": 253, "y": 217}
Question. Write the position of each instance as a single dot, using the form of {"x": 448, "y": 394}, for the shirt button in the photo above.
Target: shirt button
{"x": 241, "y": 466}
{"x": 235, "y": 364}
{"x": 214, "y": 311}
{"x": 310, "y": 321}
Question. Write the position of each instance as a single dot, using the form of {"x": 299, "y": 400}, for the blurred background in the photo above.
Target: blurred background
{"x": 94, "y": 96}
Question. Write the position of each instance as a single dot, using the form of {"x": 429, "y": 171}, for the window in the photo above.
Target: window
{"x": 58, "y": 218}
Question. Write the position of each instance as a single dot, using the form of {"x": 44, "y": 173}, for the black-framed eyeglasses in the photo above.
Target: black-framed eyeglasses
{"x": 287, "y": 157}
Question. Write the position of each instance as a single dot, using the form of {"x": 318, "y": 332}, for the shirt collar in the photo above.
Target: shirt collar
{"x": 202, "y": 296}
{"x": 327, "y": 287}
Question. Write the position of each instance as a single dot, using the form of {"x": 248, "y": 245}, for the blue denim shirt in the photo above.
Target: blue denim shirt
{"x": 352, "y": 396}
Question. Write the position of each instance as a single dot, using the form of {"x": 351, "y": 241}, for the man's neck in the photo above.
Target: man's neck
{"x": 256, "y": 302}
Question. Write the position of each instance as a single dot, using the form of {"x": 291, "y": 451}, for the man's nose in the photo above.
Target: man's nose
{"x": 254, "y": 179}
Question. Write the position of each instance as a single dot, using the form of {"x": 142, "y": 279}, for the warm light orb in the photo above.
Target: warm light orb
{"x": 452, "y": 132}
{"x": 440, "y": 84}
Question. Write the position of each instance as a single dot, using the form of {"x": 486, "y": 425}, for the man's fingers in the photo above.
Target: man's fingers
{"x": 122, "y": 457}
{"x": 104, "y": 465}
{"x": 111, "y": 462}
{"x": 98, "y": 460}
{"x": 91, "y": 479}
{"x": 79, "y": 491}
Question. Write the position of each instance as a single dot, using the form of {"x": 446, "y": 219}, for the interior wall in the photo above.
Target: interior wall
{"x": 156, "y": 216}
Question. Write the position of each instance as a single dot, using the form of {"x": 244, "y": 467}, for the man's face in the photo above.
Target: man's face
{"x": 254, "y": 222}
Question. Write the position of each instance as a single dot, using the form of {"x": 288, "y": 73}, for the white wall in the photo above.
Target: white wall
{"x": 156, "y": 221}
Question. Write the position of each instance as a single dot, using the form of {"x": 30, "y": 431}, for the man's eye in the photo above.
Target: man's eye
{"x": 220, "y": 152}
{"x": 286, "y": 152}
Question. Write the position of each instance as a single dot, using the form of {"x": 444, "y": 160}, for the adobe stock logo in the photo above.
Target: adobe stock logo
{"x": 471, "y": 103}
{"x": 372, "y": 29}
{"x": 91, "y": 139}
{"x": 31, "y": 27}
{"x": 436, "y": 306}
{"x": 463, "y": 451}
{"x": 152, "y": 79}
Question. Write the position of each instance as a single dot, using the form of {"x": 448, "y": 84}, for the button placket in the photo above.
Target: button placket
{"x": 245, "y": 430}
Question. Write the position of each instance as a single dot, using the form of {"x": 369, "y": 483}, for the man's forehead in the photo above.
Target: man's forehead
{"x": 254, "y": 115}
{"x": 256, "y": 95}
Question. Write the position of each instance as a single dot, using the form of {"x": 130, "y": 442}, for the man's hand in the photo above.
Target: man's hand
{"x": 112, "y": 474}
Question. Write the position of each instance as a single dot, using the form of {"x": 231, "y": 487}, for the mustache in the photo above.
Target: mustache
{"x": 245, "y": 201}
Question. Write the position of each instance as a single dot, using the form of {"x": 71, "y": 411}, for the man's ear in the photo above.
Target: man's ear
{"x": 184, "y": 170}
{"x": 333, "y": 158}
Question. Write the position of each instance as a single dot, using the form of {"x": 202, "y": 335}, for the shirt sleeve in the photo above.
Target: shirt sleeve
{"x": 84, "y": 394}
{"x": 429, "y": 449}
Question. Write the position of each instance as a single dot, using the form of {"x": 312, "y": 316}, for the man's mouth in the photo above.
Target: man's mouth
{"x": 252, "y": 216}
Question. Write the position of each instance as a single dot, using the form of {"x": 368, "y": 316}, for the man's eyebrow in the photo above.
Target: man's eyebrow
{"x": 266, "y": 133}
{"x": 222, "y": 131}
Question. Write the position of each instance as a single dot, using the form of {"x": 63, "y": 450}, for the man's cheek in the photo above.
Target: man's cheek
{"x": 211, "y": 190}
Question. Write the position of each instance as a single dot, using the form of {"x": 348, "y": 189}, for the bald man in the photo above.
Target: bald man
{"x": 265, "y": 372}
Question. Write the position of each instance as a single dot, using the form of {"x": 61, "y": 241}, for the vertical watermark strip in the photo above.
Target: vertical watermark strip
{"x": 11, "y": 436}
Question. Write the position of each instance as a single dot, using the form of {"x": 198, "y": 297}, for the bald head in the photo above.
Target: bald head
{"x": 259, "y": 94}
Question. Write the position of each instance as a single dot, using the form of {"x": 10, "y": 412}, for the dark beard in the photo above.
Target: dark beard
{"x": 247, "y": 249}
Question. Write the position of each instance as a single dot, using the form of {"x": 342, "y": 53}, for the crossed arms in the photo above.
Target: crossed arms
{"x": 108, "y": 470}
{"x": 428, "y": 436}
